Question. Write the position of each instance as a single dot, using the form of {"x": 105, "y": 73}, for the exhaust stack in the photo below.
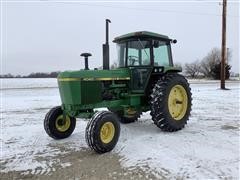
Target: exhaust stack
{"x": 106, "y": 48}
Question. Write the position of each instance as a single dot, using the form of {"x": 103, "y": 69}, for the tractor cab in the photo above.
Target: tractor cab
{"x": 144, "y": 53}
{"x": 144, "y": 49}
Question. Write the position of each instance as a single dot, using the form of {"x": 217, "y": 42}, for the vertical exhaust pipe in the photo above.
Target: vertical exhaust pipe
{"x": 106, "y": 47}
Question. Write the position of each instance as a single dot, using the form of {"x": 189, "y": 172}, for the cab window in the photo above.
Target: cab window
{"x": 121, "y": 50}
{"x": 138, "y": 53}
{"x": 161, "y": 51}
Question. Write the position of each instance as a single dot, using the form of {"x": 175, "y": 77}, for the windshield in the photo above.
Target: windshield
{"x": 134, "y": 53}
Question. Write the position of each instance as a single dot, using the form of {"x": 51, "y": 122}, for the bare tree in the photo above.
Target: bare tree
{"x": 211, "y": 60}
{"x": 192, "y": 69}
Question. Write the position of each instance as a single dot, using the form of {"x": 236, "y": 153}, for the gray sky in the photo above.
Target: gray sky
{"x": 48, "y": 36}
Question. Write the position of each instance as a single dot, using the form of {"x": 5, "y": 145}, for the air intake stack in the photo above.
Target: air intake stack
{"x": 106, "y": 48}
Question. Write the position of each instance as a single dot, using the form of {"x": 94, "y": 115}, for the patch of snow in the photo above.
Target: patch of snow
{"x": 28, "y": 83}
{"x": 66, "y": 164}
{"x": 25, "y": 143}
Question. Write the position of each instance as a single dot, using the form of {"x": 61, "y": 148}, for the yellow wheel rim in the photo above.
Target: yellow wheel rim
{"x": 177, "y": 102}
{"x": 107, "y": 132}
{"x": 62, "y": 124}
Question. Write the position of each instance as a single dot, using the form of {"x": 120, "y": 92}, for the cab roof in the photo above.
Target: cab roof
{"x": 141, "y": 34}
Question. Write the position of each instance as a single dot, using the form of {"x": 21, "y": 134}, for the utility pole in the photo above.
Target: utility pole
{"x": 224, "y": 53}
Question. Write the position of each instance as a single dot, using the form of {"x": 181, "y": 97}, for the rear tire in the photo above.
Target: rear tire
{"x": 56, "y": 126}
{"x": 102, "y": 131}
{"x": 170, "y": 102}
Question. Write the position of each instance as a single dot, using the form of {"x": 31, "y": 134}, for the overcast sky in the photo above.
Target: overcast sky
{"x": 45, "y": 36}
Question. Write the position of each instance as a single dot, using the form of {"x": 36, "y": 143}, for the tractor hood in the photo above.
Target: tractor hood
{"x": 84, "y": 87}
{"x": 95, "y": 75}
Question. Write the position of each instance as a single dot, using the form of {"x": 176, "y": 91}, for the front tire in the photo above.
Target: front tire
{"x": 170, "y": 102}
{"x": 57, "y": 125}
{"x": 102, "y": 131}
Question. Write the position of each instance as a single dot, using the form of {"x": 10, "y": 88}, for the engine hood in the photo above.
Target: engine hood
{"x": 95, "y": 75}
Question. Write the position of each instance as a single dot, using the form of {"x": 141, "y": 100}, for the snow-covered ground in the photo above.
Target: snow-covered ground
{"x": 208, "y": 147}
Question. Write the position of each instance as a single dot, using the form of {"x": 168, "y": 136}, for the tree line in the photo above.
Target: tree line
{"x": 33, "y": 75}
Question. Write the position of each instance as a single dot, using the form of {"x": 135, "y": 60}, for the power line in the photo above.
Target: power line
{"x": 159, "y": 11}
{"x": 123, "y": 1}
{"x": 90, "y": 4}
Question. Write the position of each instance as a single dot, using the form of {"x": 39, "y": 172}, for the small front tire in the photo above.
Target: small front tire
{"x": 102, "y": 131}
{"x": 56, "y": 125}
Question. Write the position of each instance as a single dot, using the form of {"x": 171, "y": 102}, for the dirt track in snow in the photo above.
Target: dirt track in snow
{"x": 84, "y": 165}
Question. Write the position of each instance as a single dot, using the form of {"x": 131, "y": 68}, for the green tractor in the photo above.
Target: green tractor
{"x": 145, "y": 80}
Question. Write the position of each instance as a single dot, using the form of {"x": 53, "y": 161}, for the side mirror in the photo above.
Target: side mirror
{"x": 174, "y": 41}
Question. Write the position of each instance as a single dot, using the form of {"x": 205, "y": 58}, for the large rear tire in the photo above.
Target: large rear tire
{"x": 57, "y": 125}
{"x": 102, "y": 131}
{"x": 170, "y": 102}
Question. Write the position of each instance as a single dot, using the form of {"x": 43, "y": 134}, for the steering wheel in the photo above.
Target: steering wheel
{"x": 133, "y": 59}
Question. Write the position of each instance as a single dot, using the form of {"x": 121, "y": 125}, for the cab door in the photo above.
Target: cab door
{"x": 139, "y": 78}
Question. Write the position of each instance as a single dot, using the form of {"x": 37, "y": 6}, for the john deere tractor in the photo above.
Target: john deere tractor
{"x": 145, "y": 80}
